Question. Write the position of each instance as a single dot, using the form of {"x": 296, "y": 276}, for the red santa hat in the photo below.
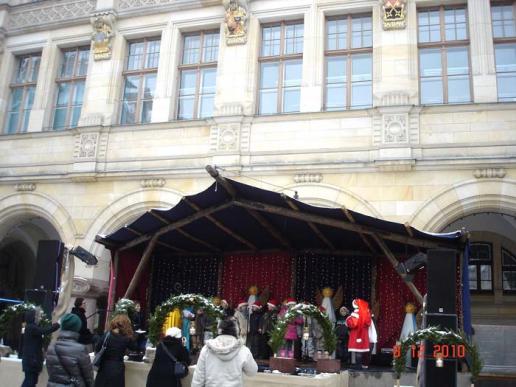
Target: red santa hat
{"x": 272, "y": 303}
{"x": 256, "y": 305}
{"x": 322, "y": 309}
{"x": 242, "y": 302}
{"x": 291, "y": 301}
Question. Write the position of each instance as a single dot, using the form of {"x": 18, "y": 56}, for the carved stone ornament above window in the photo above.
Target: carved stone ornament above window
{"x": 487, "y": 173}
{"x": 102, "y": 35}
{"x": 308, "y": 178}
{"x": 48, "y": 12}
{"x": 235, "y": 22}
{"x": 25, "y": 187}
{"x": 152, "y": 183}
{"x": 394, "y": 13}
{"x": 395, "y": 128}
{"x": 86, "y": 145}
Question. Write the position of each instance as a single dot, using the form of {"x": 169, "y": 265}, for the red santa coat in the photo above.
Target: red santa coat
{"x": 358, "y": 323}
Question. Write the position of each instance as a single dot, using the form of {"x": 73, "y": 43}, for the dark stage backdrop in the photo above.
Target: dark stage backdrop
{"x": 128, "y": 261}
{"x": 264, "y": 270}
{"x": 317, "y": 272}
{"x": 393, "y": 294}
{"x": 176, "y": 275}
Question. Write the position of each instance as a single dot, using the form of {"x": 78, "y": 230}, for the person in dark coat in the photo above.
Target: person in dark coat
{"x": 254, "y": 336}
{"x": 85, "y": 336}
{"x": 112, "y": 369}
{"x": 32, "y": 358}
{"x": 68, "y": 361}
{"x": 162, "y": 371}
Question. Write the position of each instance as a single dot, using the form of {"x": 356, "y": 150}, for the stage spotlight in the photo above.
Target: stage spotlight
{"x": 408, "y": 268}
{"x": 84, "y": 255}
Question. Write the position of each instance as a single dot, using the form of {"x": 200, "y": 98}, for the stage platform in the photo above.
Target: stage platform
{"x": 136, "y": 375}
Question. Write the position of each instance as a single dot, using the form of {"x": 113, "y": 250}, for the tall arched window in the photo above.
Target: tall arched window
{"x": 481, "y": 267}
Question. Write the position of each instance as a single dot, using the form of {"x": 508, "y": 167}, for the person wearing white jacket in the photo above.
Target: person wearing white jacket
{"x": 224, "y": 359}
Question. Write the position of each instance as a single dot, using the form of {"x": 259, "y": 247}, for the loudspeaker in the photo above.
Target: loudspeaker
{"x": 47, "y": 262}
{"x": 42, "y": 298}
{"x": 441, "y": 376}
{"x": 445, "y": 321}
{"x": 441, "y": 272}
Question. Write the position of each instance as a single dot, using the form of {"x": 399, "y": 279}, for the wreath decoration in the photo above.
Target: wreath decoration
{"x": 181, "y": 302}
{"x": 124, "y": 306}
{"x": 278, "y": 332}
{"x": 438, "y": 336}
{"x": 17, "y": 310}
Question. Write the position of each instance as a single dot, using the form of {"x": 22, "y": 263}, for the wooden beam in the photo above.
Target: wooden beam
{"x": 340, "y": 224}
{"x": 394, "y": 262}
{"x": 187, "y": 235}
{"x": 112, "y": 295}
{"x": 175, "y": 225}
{"x": 227, "y": 230}
{"x": 408, "y": 228}
{"x": 310, "y": 224}
{"x": 255, "y": 214}
{"x": 167, "y": 245}
{"x": 141, "y": 267}
{"x": 362, "y": 235}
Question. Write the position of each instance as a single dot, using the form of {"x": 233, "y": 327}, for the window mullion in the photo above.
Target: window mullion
{"x": 349, "y": 82}
{"x": 196, "y": 114}
{"x": 444, "y": 59}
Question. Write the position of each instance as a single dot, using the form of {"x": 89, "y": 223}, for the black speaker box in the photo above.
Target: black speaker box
{"x": 445, "y": 376}
{"x": 441, "y": 289}
{"x": 47, "y": 263}
{"x": 43, "y": 298}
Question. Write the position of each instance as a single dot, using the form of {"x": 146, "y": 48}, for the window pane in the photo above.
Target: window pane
{"x": 23, "y": 70}
{"x": 269, "y": 75}
{"x": 16, "y": 98}
{"x": 472, "y": 269}
{"x": 12, "y": 122}
{"x": 188, "y": 82}
{"x": 431, "y": 90}
{"x": 291, "y": 98}
{"x": 29, "y": 98}
{"x": 152, "y": 58}
{"x": 335, "y": 97}
{"x": 76, "y": 114}
{"x": 186, "y": 108}
{"x": 508, "y": 259}
{"x": 63, "y": 94}
{"x": 208, "y": 80}
{"x": 191, "y": 49}
{"x": 455, "y": 24}
{"x": 480, "y": 252}
{"x": 84, "y": 56}
{"x": 361, "y": 94}
{"x": 337, "y": 31}
{"x": 60, "y": 118}
{"x": 134, "y": 60}
{"x": 294, "y": 38}
{"x": 131, "y": 88}
{"x": 271, "y": 40}
{"x": 457, "y": 61}
{"x": 206, "y": 109}
{"x": 429, "y": 26}
{"x": 361, "y": 32}
{"x": 292, "y": 75}
{"x": 211, "y": 47}
{"x": 505, "y": 56}
{"x": 458, "y": 89}
{"x": 509, "y": 280}
{"x": 35, "y": 69}
{"x": 361, "y": 67}
{"x": 430, "y": 63}
{"x": 149, "y": 86}
{"x": 506, "y": 87}
{"x": 68, "y": 63}
{"x": 146, "y": 111}
{"x": 268, "y": 101}
{"x": 336, "y": 69}
{"x": 79, "y": 93}
{"x": 128, "y": 112}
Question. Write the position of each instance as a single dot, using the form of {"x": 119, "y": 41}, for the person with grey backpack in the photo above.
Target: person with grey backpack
{"x": 68, "y": 361}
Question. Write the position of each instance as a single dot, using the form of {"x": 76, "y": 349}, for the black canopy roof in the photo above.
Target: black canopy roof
{"x": 230, "y": 216}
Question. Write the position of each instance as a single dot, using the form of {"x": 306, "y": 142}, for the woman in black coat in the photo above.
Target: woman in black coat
{"x": 162, "y": 371}
{"x": 85, "y": 336}
{"x": 111, "y": 372}
{"x": 32, "y": 358}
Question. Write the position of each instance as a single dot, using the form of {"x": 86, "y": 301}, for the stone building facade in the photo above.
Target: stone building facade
{"x": 402, "y": 110}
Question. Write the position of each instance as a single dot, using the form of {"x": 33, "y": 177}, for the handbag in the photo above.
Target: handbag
{"x": 74, "y": 380}
{"x": 180, "y": 369}
{"x": 97, "y": 360}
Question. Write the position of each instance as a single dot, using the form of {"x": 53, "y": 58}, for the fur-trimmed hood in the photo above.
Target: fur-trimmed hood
{"x": 225, "y": 347}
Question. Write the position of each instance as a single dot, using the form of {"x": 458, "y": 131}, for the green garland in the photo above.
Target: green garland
{"x": 278, "y": 332}
{"x": 124, "y": 306}
{"x": 437, "y": 336}
{"x": 181, "y": 302}
{"x": 14, "y": 311}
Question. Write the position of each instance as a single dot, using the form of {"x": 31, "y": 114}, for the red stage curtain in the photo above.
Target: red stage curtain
{"x": 393, "y": 294}
{"x": 264, "y": 270}
{"x": 128, "y": 261}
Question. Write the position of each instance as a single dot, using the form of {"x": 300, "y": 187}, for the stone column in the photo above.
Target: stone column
{"x": 164, "y": 97}
{"x": 313, "y": 61}
{"x": 6, "y": 63}
{"x": 482, "y": 51}
{"x": 44, "y": 95}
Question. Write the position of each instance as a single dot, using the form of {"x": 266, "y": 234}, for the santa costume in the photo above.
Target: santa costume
{"x": 358, "y": 323}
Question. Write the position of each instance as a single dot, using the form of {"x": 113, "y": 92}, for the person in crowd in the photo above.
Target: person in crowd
{"x": 111, "y": 372}
{"x": 138, "y": 322}
{"x": 68, "y": 361}
{"x": 85, "y": 335}
{"x": 224, "y": 359}
{"x": 162, "y": 371}
{"x": 226, "y": 309}
{"x": 342, "y": 332}
{"x": 32, "y": 358}
{"x": 269, "y": 320}
{"x": 358, "y": 323}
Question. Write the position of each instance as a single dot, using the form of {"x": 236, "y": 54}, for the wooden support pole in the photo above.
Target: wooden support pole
{"x": 112, "y": 294}
{"x": 141, "y": 267}
{"x": 362, "y": 235}
{"x": 394, "y": 262}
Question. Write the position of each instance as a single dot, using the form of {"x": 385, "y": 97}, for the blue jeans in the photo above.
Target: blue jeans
{"x": 31, "y": 379}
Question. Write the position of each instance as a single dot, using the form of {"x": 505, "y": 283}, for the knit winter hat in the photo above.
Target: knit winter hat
{"x": 272, "y": 303}
{"x": 291, "y": 301}
{"x": 71, "y": 322}
{"x": 173, "y": 332}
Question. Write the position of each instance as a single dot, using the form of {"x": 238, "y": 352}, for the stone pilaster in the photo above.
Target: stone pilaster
{"x": 482, "y": 51}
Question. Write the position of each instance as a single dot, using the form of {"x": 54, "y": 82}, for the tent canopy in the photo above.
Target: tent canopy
{"x": 231, "y": 217}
